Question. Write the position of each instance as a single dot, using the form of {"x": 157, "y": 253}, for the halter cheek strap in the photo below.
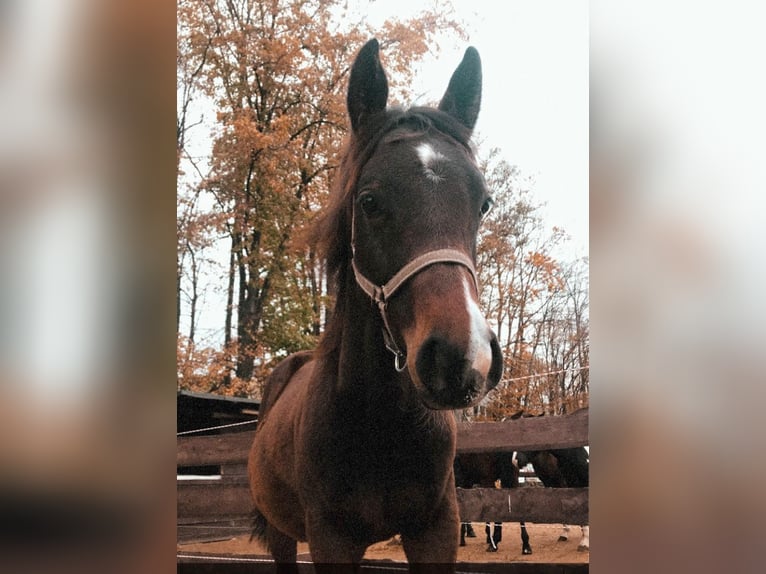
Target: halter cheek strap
{"x": 381, "y": 294}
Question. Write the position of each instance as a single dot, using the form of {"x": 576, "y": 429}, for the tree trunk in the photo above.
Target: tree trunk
{"x": 226, "y": 382}
{"x": 194, "y": 295}
{"x": 179, "y": 275}
{"x": 230, "y": 296}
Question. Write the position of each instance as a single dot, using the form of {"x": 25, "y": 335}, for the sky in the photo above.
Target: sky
{"x": 535, "y": 62}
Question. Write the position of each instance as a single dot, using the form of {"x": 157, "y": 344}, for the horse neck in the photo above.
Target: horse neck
{"x": 361, "y": 366}
{"x": 367, "y": 396}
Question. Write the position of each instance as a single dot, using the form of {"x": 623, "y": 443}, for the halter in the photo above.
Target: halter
{"x": 382, "y": 294}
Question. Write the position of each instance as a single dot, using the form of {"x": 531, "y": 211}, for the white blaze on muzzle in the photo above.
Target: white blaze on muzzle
{"x": 479, "y": 348}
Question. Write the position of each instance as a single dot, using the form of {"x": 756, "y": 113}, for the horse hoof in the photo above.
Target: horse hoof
{"x": 563, "y": 538}
{"x": 491, "y": 549}
{"x": 582, "y": 548}
{"x": 526, "y": 551}
{"x": 462, "y": 543}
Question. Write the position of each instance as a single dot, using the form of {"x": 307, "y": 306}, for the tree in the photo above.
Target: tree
{"x": 537, "y": 304}
{"x": 276, "y": 72}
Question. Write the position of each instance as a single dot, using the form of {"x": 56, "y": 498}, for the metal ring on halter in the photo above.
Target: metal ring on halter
{"x": 400, "y": 359}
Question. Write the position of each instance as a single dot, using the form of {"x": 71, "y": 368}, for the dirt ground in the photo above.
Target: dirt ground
{"x": 543, "y": 538}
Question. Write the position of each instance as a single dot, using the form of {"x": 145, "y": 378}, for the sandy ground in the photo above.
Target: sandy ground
{"x": 543, "y": 539}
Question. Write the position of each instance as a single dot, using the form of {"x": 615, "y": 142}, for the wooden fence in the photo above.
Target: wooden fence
{"x": 220, "y": 506}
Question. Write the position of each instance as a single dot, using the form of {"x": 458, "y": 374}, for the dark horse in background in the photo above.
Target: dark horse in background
{"x": 558, "y": 468}
{"x": 356, "y": 440}
{"x": 483, "y": 469}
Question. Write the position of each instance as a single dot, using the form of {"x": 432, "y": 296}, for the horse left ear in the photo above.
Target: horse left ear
{"x": 463, "y": 96}
{"x": 367, "y": 85}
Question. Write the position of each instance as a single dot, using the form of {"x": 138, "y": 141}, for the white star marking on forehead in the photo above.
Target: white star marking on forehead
{"x": 429, "y": 157}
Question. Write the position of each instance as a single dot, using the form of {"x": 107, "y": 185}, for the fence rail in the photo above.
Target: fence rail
{"x": 534, "y": 433}
{"x": 223, "y": 503}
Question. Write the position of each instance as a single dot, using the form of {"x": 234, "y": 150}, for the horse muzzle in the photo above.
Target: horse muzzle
{"x": 449, "y": 378}
{"x": 454, "y": 358}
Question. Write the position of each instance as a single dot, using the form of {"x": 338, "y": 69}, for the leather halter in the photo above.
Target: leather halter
{"x": 382, "y": 294}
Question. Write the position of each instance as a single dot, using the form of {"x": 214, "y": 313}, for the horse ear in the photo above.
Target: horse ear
{"x": 367, "y": 85}
{"x": 463, "y": 96}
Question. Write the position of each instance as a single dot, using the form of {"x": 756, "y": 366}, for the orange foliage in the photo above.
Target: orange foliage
{"x": 208, "y": 370}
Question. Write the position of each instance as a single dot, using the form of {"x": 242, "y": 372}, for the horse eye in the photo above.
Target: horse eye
{"x": 369, "y": 204}
{"x": 486, "y": 206}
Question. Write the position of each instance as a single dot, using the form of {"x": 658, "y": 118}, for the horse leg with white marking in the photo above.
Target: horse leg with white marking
{"x": 525, "y": 547}
{"x": 493, "y": 536}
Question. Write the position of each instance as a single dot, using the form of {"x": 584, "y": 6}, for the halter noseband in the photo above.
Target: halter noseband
{"x": 381, "y": 295}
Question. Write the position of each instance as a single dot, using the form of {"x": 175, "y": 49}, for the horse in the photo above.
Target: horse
{"x": 560, "y": 468}
{"x": 483, "y": 469}
{"x": 356, "y": 439}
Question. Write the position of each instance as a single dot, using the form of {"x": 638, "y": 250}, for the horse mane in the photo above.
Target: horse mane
{"x": 332, "y": 233}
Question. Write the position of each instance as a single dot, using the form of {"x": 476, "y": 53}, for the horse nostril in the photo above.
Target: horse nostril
{"x": 447, "y": 373}
{"x": 439, "y": 364}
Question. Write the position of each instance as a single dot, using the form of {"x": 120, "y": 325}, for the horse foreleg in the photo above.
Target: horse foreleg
{"x": 584, "y": 545}
{"x": 332, "y": 551}
{"x": 525, "y": 547}
{"x": 283, "y": 549}
{"x": 463, "y": 532}
{"x": 494, "y": 539}
{"x": 434, "y": 549}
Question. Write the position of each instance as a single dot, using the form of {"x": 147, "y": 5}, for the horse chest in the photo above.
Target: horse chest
{"x": 376, "y": 512}
{"x": 386, "y": 486}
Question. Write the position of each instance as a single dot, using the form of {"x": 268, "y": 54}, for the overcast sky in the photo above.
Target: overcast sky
{"x": 535, "y": 97}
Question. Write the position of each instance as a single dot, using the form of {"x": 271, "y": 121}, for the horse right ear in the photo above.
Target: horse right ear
{"x": 367, "y": 85}
{"x": 462, "y": 99}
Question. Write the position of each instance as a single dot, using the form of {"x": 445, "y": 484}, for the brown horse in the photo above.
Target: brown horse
{"x": 356, "y": 441}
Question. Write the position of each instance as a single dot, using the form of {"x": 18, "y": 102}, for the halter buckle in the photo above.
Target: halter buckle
{"x": 399, "y": 356}
{"x": 400, "y": 359}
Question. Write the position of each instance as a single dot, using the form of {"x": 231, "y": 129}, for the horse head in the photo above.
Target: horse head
{"x": 415, "y": 201}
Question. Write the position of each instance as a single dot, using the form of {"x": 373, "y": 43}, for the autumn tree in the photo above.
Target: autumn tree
{"x": 275, "y": 71}
{"x": 536, "y": 303}
{"x": 188, "y": 72}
